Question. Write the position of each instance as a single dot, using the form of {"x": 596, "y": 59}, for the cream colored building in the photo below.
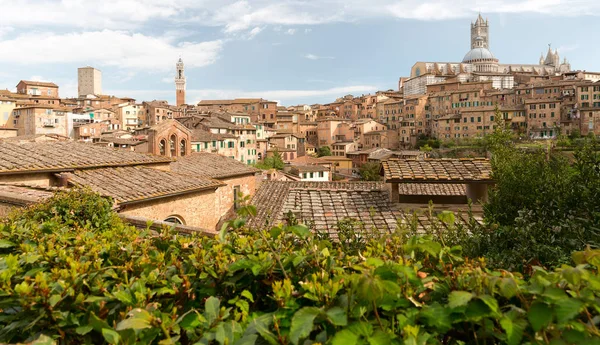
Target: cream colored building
{"x": 7, "y": 106}
{"x": 89, "y": 81}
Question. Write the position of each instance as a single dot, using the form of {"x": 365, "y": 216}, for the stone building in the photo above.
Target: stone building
{"x": 198, "y": 190}
{"x": 180, "y": 83}
{"x": 37, "y": 88}
{"x": 169, "y": 138}
{"x": 89, "y": 81}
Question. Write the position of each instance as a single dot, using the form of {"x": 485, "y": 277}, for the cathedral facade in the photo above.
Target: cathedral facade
{"x": 479, "y": 64}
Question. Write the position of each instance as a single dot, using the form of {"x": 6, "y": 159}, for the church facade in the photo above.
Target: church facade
{"x": 478, "y": 65}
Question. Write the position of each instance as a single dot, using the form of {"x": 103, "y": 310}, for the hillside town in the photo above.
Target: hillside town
{"x": 137, "y": 150}
{"x": 461, "y": 206}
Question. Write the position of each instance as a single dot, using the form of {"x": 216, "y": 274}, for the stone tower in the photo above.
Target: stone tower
{"x": 180, "y": 83}
{"x": 480, "y": 37}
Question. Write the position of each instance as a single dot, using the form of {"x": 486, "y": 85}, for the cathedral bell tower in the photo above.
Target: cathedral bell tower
{"x": 180, "y": 84}
{"x": 480, "y": 33}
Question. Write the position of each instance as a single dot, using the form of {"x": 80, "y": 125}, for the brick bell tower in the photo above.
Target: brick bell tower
{"x": 180, "y": 84}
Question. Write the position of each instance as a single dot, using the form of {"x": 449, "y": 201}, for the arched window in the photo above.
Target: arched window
{"x": 175, "y": 220}
{"x": 162, "y": 147}
{"x": 182, "y": 147}
{"x": 173, "y": 145}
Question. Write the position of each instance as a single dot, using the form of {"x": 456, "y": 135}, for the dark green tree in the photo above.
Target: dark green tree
{"x": 370, "y": 171}
{"x": 324, "y": 151}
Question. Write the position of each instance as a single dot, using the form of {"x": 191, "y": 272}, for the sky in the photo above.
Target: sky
{"x": 290, "y": 51}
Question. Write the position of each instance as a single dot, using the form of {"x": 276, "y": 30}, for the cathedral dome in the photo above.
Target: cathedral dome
{"x": 478, "y": 54}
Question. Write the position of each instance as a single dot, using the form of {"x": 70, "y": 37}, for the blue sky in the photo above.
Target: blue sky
{"x": 292, "y": 51}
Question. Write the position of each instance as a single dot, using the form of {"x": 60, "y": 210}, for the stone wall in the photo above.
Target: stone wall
{"x": 199, "y": 209}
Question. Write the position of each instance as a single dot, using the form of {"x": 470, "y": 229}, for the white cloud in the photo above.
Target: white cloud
{"x": 109, "y": 48}
{"x": 242, "y": 15}
{"x": 568, "y": 48}
{"x": 237, "y": 16}
{"x": 38, "y": 78}
{"x": 254, "y": 32}
{"x": 317, "y": 57}
{"x": 5, "y": 30}
{"x": 307, "y": 30}
{"x": 290, "y": 31}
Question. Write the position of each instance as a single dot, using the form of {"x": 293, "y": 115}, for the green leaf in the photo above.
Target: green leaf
{"x": 97, "y": 323}
{"x": 44, "y": 340}
{"x": 54, "y": 299}
{"x": 275, "y": 231}
{"x": 344, "y": 337}
{"x": 539, "y": 315}
{"x": 490, "y": 302}
{"x": 302, "y": 323}
{"x": 83, "y": 330}
{"x": 508, "y": 287}
{"x": 361, "y": 328}
{"x": 380, "y": 338}
{"x": 192, "y": 320}
{"x": 437, "y": 316}
{"x": 300, "y": 231}
{"x": 459, "y": 298}
{"x": 133, "y": 323}
{"x": 337, "y": 316}
{"x": 248, "y": 295}
{"x": 6, "y": 244}
{"x": 247, "y": 340}
{"x": 110, "y": 336}
{"x": 566, "y": 309}
{"x": 447, "y": 217}
{"x": 211, "y": 309}
{"x": 514, "y": 330}
{"x": 376, "y": 262}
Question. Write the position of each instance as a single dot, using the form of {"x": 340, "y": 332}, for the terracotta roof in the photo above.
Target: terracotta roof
{"x": 437, "y": 170}
{"x": 38, "y": 83}
{"x": 23, "y": 194}
{"x": 450, "y": 189}
{"x": 310, "y": 168}
{"x": 64, "y": 155}
{"x": 200, "y": 135}
{"x": 134, "y": 184}
{"x": 211, "y": 165}
{"x": 303, "y": 160}
{"x": 321, "y": 205}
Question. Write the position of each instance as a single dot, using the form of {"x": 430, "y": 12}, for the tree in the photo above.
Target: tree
{"x": 324, "y": 151}
{"x": 272, "y": 162}
{"x": 426, "y": 148}
{"x": 370, "y": 171}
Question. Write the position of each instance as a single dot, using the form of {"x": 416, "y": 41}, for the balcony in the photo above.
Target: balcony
{"x": 49, "y": 124}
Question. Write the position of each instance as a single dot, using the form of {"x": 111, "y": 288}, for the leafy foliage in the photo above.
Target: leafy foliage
{"x": 272, "y": 162}
{"x": 423, "y": 140}
{"x": 66, "y": 278}
{"x": 323, "y": 151}
{"x": 542, "y": 208}
{"x": 370, "y": 171}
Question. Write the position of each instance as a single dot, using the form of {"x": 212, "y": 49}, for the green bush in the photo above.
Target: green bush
{"x": 541, "y": 209}
{"x": 71, "y": 280}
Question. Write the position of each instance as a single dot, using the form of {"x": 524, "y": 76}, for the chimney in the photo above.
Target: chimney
{"x": 63, "y": 180}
